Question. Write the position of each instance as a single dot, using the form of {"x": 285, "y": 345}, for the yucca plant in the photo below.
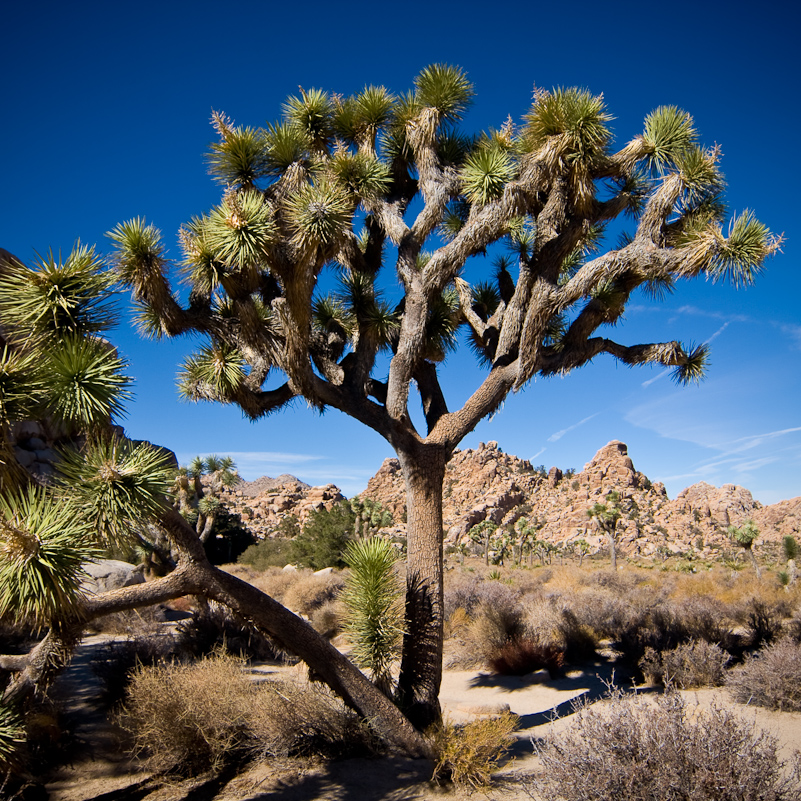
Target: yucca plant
{"x": 373, "y": 599}
{"x": 44, "y": 543}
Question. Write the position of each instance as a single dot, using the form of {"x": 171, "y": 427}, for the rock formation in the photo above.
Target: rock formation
{"x": 487, "y": 484}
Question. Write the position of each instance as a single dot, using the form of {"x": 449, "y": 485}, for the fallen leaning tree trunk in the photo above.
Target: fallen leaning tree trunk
{"x": 195, "y": 575}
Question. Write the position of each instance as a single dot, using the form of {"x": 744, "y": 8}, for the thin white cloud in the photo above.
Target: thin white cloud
{"x": 538, "y": 453}
{"x": 793, "y": 332}
{"x": 559, "y": 434}
{"x": 655, "y": 378}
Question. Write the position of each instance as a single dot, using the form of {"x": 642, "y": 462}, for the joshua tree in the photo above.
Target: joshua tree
{"x": 607, "y": 514}
{"x": 385, "y": 193}
{"x": 745, "y": 536}
{"x": 199, "y": 503}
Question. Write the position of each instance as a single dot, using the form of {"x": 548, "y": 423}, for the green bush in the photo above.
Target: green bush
{"x": 267, "y": 553}
{"x": 324, "y": 537}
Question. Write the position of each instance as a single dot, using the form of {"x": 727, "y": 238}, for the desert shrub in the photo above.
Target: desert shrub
{"x": 328, "y": 618}
{"x": 580, "y": 641}
{"x": 275, "y": 582}
{"x": 764, "y": 621}
{"x": 214, "y": 627}
{"x": 324, "y": 537}
{"x": 692, "y": 664}
{"x": 189, "y": 718}
{"x": 468, "y": 755}
{"x": 769, "y": 678}
{"x": 520, "y": 655}
{"x": 639, "y": 750}
{"x": 132, "y": 623}
{"x": 310, "y": 591}
{"x": 306, "y": 720}
{"x": 116, "y": 662}
{"x": 470, "y": 592}
{"x": 275, "y": 552}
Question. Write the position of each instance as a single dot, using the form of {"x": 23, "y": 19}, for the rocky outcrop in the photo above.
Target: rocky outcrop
{"x": 110, "y": 574}
{"x": 487, "y": 484}
{"x": 264, "y": 503}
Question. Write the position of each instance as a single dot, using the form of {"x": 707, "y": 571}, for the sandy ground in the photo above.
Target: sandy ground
{"x": 98, "y": 773}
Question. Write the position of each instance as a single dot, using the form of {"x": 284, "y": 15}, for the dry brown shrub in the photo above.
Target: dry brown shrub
{"x": 468, "y": 755}
{"x": 275, "y": 582}
{"x": 518, "y": 657}
{"x": 692, "y": 664}
{"x": 639, "y": 750}
{"x": 192, "y": 718}
{"x": 311, "y": 591}
{"x": 769, "y": 678}
{"x": 327, "y": 619}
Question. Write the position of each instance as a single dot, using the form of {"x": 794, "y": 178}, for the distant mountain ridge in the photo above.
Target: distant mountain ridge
{"x": 487, "y": 484}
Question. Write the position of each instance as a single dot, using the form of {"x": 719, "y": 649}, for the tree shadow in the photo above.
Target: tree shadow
{"x": 379, "y": 779}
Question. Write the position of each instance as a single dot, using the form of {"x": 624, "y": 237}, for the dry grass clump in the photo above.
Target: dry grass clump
{"x": 769, "y": 678}
{"x": 192, "y": 718}
{"x": 692, "y": 664}
{"x": 311, "y": 591}
{"x": 468, "y": 755}
{"x": 639, "y": 750}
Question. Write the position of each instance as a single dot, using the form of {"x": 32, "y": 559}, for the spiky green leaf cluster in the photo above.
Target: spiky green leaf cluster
{"x": 216, "y": 372}
{"x": 12, "y": 737}
{"x": 43, "y": 545}
{"x": 742, "y": 255}
{"x": 486, "y": 173}
{"x": 373, "y": 600}
{"x": 286, "y": 145}
{"x": 238, "y": 232}
{"x": 575, "y": 115}
{"x": 360, "y": 174}
{"x": 115, "y": 484}
{"x": 313, "y": 114}
{"x": 139, "y": 252}
{"x": 694, "y": 367}
{"x": 669, "y": 134}
{"x": 744, "y": 535}
{"x": 85, "y": 383}
{"x": 318, "y": 214}
{"x": 359, "y": 118}
{"x": 240, "y": 157}
{"x": 57, "y": 298}
{"x": 22, "y": 385}
{"x": 444, "y": 88}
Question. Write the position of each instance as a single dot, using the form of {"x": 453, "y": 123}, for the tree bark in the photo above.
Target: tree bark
{"x": 421, "y": 666}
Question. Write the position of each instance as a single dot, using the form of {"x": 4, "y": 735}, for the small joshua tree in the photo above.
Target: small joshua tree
{"x": 744, "y": 536}
{"x": 607, "y": 514}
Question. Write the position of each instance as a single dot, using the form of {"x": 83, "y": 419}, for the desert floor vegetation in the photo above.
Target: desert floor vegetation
{"x": 212, "y": 696}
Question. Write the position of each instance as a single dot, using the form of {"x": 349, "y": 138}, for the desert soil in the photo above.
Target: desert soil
{"x": 99, "y": 771}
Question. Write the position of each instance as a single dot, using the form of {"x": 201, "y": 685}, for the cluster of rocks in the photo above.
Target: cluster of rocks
{"x": 488, "y": 484}
{"x": 264, "y": 503}
{"x": 34, "y": 447}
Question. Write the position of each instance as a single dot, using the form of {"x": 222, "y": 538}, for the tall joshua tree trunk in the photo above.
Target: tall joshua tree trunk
{"x": 421, "y": 666}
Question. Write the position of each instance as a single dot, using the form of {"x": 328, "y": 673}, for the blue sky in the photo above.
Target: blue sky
{"x": 106, "y": 111}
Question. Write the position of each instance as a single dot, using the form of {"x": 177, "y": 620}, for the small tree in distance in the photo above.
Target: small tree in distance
{"x": 745, "y": 536}
{"x": 428, "y": 230}
{"x": 607, "y": 514}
